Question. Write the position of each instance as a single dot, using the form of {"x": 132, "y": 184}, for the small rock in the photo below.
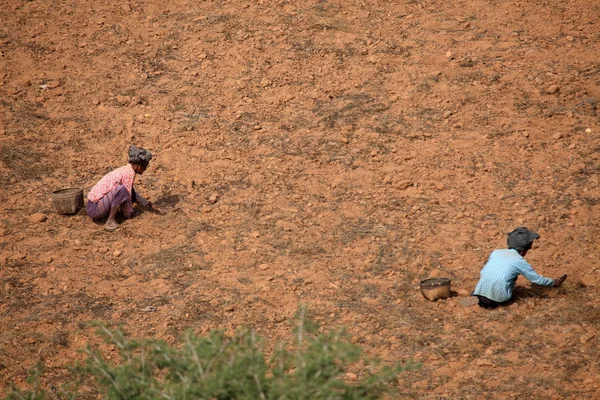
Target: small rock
{"x": 373, "y": 59}
{"x": 387, "y": 180}
{"x": 586, "y": 281}
{"x": 53, "y": 84}
{"x": 403, "y": 185}
{"x": 586, "y": 338}
{"x": 552, "y": 89}
{"x": 440, "y": 186}
{"x": 37, "y": 218}
{"x": 588, "y": 130}
{"x": 255, "y": 234}
{"x": 463, "y": 292}
{"x": 277, "y": 318}
{"x": 213, "y": 198}
{"x": 47, "y": 259}
{"x": 18, "y": 256}
{"x": 13, "y": 91}
{"x": 589, "y": 382}
{"x": 126, "y": 7}
{"x": 286, "y": 226}
{"x": 421, "y": 384}
{"x": 135, "y": 100}
{"x": 449, "y": 55}
{"x": 263, "y": 267}
{"x": 483, "y": 363}
{"x": 570, "y": 38}
{"x": 526, "y": 134}
{"x": 206, "y": 209}
{"x": 447, "y": 114}
{"x": 350, "y": 376}
{"x": 122, "y": 100}
{"x": 557, "y": 136}
{"x": 117, "y": 253}
{"x": 230, "y": 307}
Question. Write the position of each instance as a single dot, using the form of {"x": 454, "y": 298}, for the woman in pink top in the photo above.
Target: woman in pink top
{"x": 114, "y": 192}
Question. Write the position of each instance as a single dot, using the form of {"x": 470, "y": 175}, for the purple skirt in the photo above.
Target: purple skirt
{"x": 114, "y": 198}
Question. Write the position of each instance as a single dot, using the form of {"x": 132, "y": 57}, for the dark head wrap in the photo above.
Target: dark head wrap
{"x": 521, "y": 239}
{"x": 139, "y": 156}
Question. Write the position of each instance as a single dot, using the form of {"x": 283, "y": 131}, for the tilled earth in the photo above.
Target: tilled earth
{"x": 324, "y": 153}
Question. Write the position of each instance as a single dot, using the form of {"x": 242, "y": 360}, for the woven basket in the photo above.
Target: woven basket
{"x": 68, "y": 200}
{"x": 435, "y": 288}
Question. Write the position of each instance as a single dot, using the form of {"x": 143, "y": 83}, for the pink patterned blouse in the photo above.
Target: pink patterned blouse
{"x": 121, "y": 176}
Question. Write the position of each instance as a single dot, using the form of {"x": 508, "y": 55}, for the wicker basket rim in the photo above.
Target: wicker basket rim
{"x": 67, "y": 192}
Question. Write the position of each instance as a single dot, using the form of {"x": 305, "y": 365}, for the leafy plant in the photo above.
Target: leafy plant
{"x": 311, "y": 366}
{"x": 35, "y": 393}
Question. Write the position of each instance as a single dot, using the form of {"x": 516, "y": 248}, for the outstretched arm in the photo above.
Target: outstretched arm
{"x": 146, "y": 203}
{"x": 138, "y": 198}
{"x": 532, "y": 276}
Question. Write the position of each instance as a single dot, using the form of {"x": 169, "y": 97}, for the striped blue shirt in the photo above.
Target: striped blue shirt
{"x": 498, "y": 276}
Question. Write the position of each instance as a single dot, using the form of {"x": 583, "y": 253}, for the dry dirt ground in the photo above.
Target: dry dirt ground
{"x": 353, "y": 148}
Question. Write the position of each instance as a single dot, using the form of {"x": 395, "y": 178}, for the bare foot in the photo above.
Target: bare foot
{"x": 111, "y": 225}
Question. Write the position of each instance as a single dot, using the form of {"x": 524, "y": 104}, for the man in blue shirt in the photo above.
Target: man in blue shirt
{"x": 498, "y": 276}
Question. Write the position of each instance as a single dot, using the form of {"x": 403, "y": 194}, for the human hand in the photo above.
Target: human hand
{"x": 156, "y": 208}
{"x": 559, "y": 281}
{"x": 128, "y": 212}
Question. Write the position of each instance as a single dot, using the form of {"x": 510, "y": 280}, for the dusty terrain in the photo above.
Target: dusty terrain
{"x": 327, "y": 153}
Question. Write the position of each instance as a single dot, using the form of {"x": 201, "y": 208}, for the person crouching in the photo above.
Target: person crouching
{"x": 500, "y": 273}
{"x": 114, "y": 193}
